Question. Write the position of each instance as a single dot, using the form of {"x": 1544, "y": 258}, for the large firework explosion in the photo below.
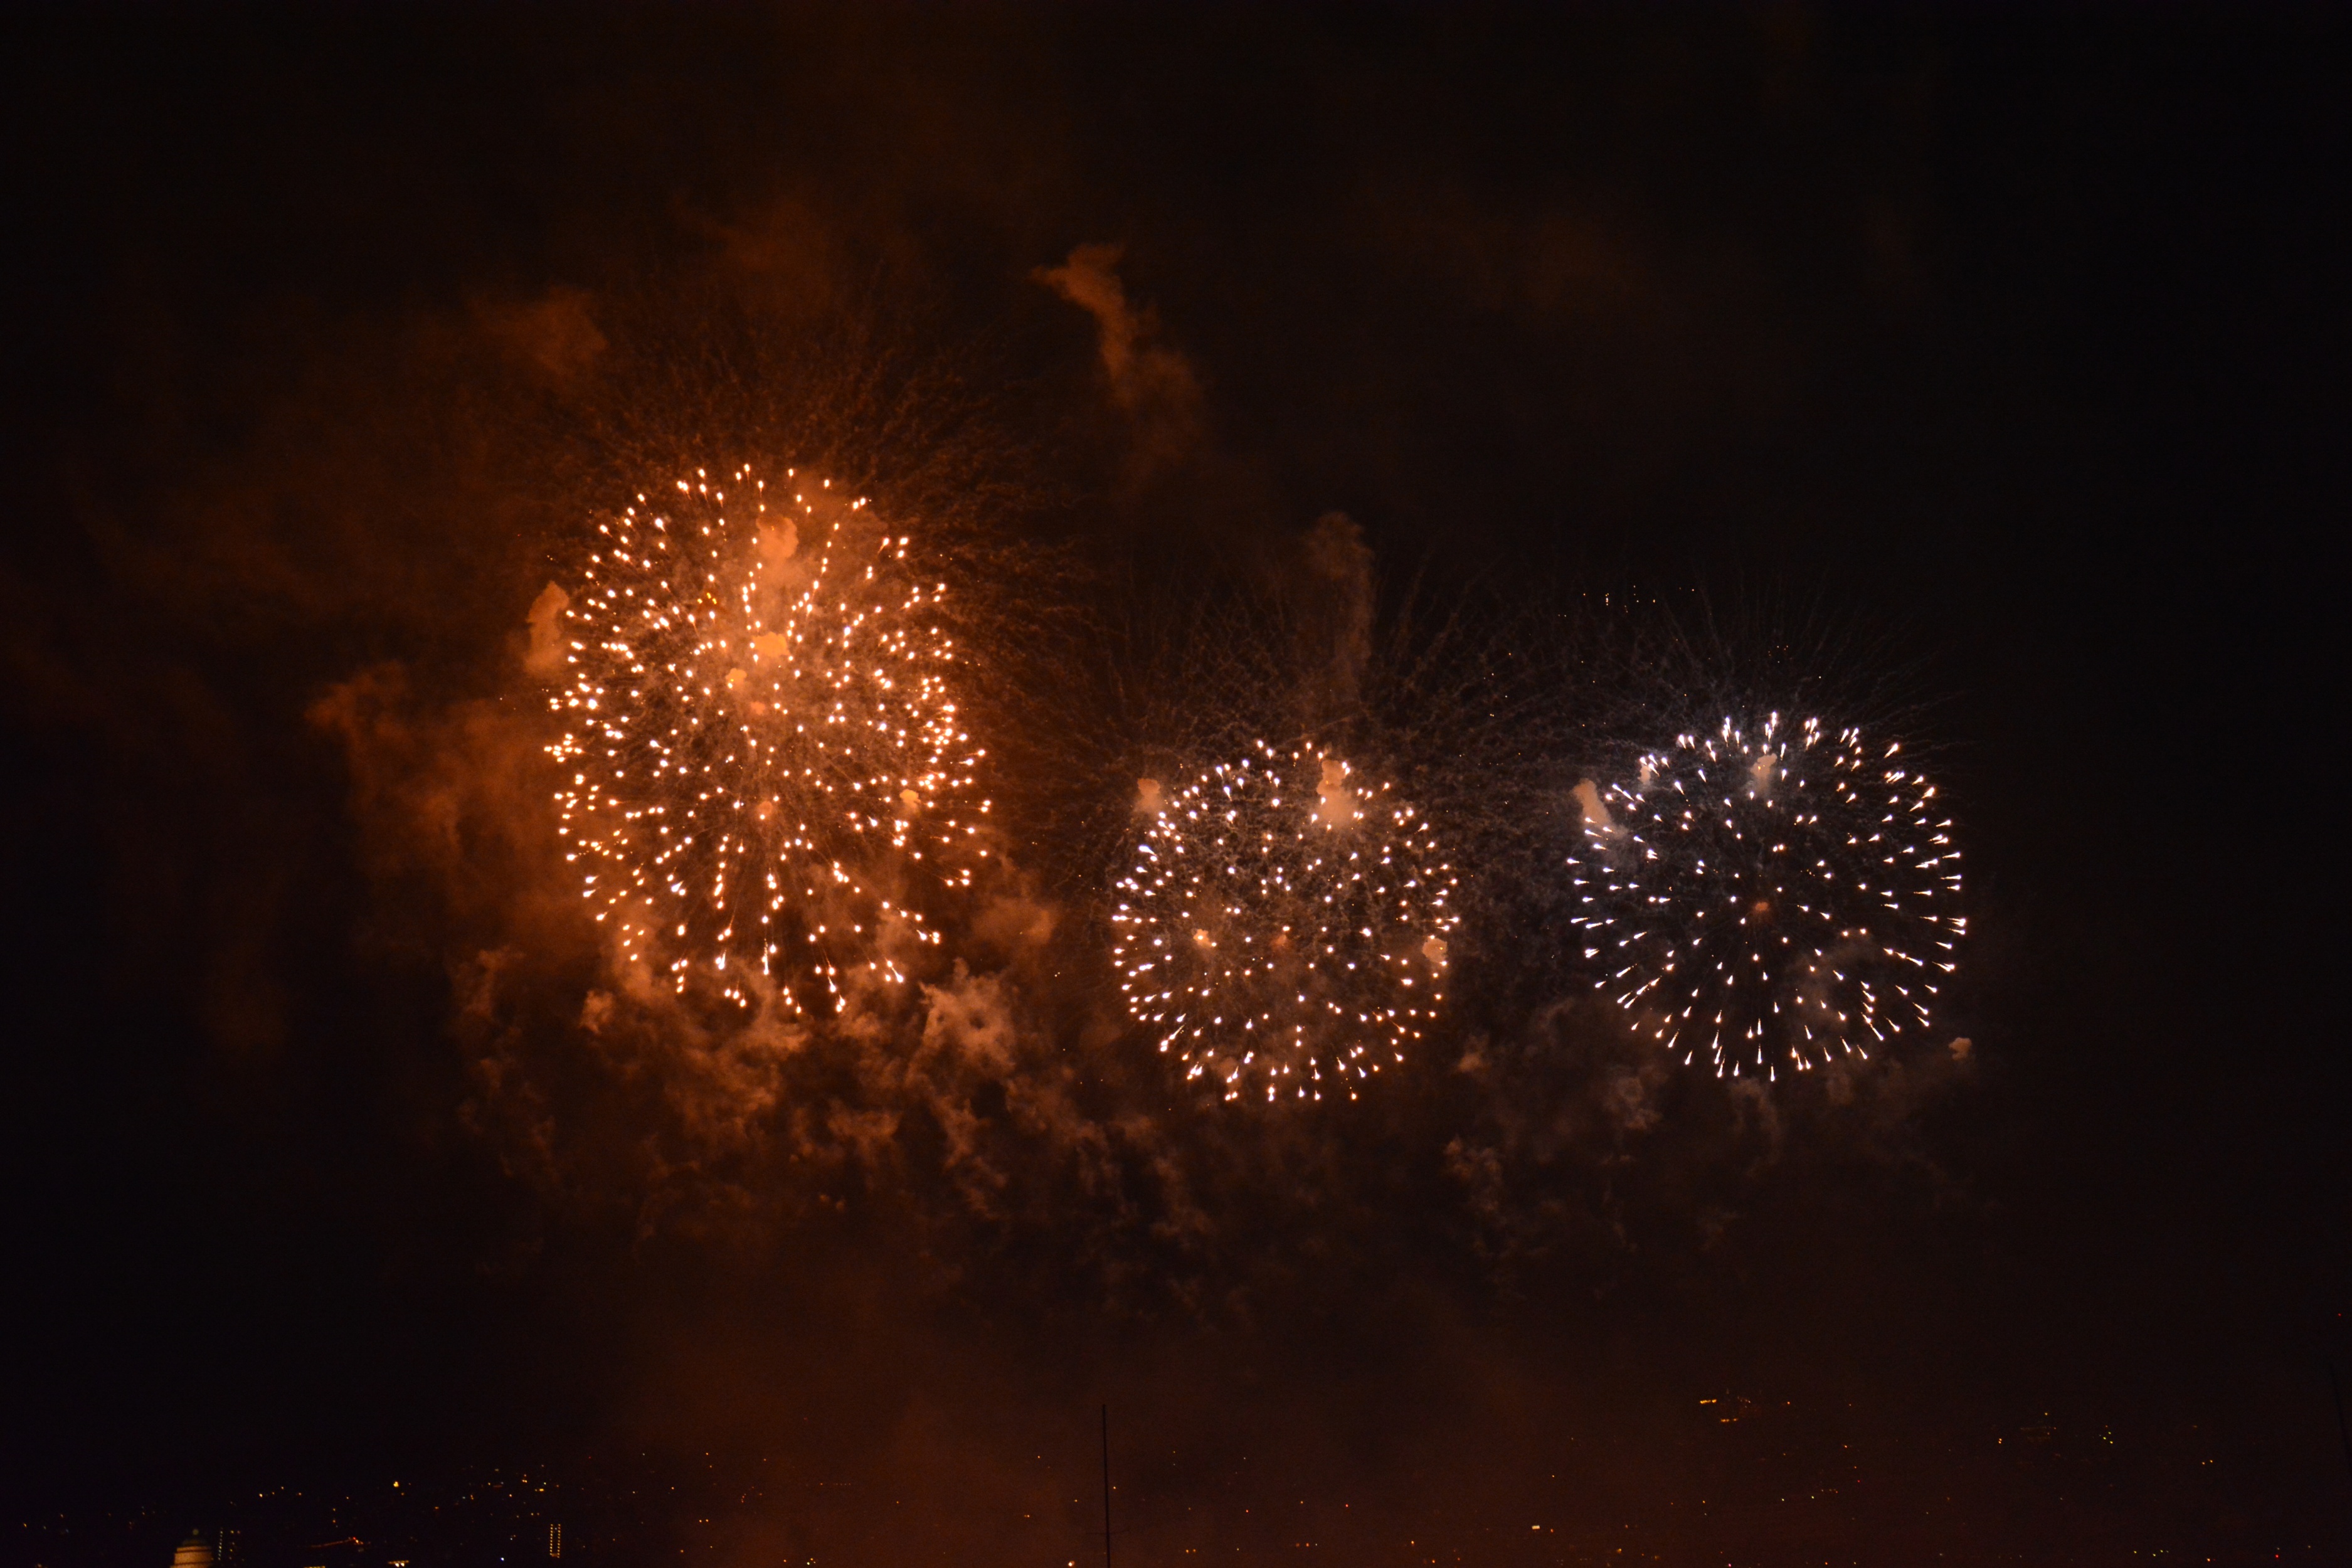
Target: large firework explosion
{"x": 1768, "y": 896}
{"x": 763, "y": 738}
{"x": 1284, "y": 926}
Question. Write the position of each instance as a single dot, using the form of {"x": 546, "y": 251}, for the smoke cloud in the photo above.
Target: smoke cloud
{"x": 1152, "y": 383}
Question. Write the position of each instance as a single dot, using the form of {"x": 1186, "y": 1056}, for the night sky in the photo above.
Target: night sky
{"x": 1993, "y": 358}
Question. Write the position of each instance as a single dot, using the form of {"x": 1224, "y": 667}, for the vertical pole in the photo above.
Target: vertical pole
{"x": 2343, "y": 1433}
{"x": 1105, "y": 1446}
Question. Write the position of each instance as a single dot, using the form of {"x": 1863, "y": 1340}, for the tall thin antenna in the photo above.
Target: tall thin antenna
{"x": 2343, "y": 1432}
{"x": 1105, "y": 1436}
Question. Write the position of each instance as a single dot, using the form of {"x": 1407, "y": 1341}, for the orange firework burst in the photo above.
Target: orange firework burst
{"x": 1284, "y": 926}
{"x": 763, "y": 743}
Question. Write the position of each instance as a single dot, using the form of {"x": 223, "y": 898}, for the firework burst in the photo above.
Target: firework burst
{"x": 1284, "y": 926}
{"x": 762, "y": 743}
{"x": 1769, "y": 897}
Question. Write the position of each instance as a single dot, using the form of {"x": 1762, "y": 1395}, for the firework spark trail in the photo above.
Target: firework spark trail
{"x": 1284, "y": 926}
{"x": 763, "y": 735}
{"x": 1770, "y": 897}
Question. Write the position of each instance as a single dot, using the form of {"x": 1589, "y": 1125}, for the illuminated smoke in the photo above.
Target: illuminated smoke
{"x": 1283, "y": 929}
{"x": 1768, "y": 898}
{"x": 762, "y": 743}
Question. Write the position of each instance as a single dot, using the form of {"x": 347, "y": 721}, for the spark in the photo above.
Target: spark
{"x": 1284, "y": 927}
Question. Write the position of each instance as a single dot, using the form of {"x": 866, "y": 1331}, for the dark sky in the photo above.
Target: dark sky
{"x": 2015, "y": 338}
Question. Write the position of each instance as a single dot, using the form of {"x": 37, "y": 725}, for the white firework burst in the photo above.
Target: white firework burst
{"x": 1766, "y": 897}
{"x": 1283, "y": 929}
